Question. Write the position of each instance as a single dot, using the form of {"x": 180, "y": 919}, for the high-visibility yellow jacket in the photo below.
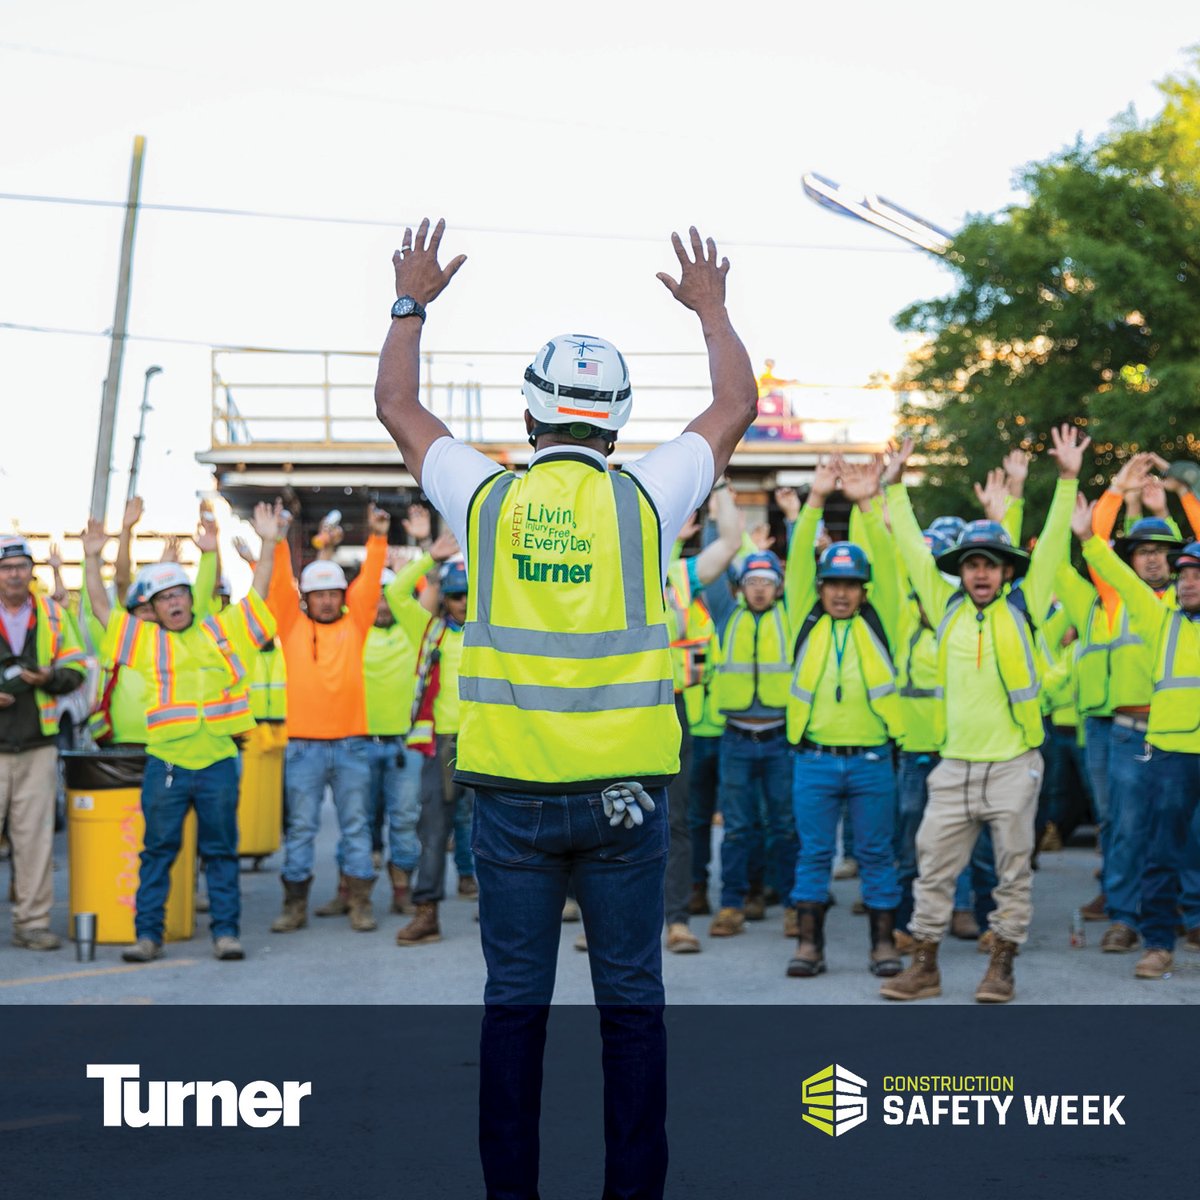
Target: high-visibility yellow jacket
{"x": 694, "y": 645}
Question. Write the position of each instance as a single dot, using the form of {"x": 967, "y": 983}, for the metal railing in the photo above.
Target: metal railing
{"x": 325, "y": 398}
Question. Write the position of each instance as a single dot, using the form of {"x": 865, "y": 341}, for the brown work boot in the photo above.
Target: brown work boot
{"x": 754, "y": 908}
{"x": 36, "y": 939}
{"x": 422, "y": 928}
{"x": 791, "y": 922}
{"x": 1096, "y": 910}
{"x": 401, "y": 890}
{"x": 1051, "y": 841}
{"x": 362, "y": 916}
{"x": 727, "y": 922}
{"x": 295, "y": 906}
{"x": 1119, "y": 938}
{"x": 1191, "y": 939}
{"x": 339, "y": 905}
{"x": 467, "y": 887}
{"x": 808, "y": 960}
{"x": 847, "y": 869}
{"x": 885, "y": 958}
{"x": 963, "y": 925}
{"x": 920, "y": 980}
{"x": 681, "y": 940}
{"x": 997, "y": 986}
{"x": 987, "y": 940}
{"x": 1154, "y": 964}
{"x": 904, "y": 941}
{"x": 698, "y": 904}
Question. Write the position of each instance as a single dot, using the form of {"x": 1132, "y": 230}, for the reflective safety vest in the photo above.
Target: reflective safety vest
{"x": 268, "y": 683}
{"x": 1016, "y": 659}
{"x": 1114, "y": 665}
{"x": 916, "y": 685}
{"x": 121, "y": 714}
{"x": 565, "y": 679}
{"x": 874, "y": 662}
{"x": 694, "y": 646}
{"x": 1175, "y": 707}
{"x": 58, "y": 645}
{"x": 756, "y": 660}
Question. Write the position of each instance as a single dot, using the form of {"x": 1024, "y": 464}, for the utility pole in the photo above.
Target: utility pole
{"x": 112, "y": 384}
{"x": 136, "y": 465}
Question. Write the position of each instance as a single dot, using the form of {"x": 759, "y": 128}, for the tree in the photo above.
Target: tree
{"x": 1081, "y": 304}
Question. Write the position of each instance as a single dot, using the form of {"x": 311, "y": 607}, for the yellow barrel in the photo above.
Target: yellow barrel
{"x": 105, "y": 832}
{"x": 260, "y": 797}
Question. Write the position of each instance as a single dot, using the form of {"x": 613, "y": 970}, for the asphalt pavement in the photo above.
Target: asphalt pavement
{"x": 327, "y": 963}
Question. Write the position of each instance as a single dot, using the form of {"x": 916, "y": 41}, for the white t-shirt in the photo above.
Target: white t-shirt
{"x": 677, "y": 476}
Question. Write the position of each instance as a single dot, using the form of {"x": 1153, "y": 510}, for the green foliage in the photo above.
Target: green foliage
{"x": 1081, "y": 304}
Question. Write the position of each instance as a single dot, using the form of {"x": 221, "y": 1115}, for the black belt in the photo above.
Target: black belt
{"x": 759, "y": 735}
{"x": 842, "y": 751}
{"x": 385, "y": 739}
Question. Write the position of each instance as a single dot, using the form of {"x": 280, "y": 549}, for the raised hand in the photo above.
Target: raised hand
{"x": 206, "y": 529}
{"x": 860, "y": 481}
{"x": 133, "y": 512}
{"x": 761, "y": 536}
{"x": 824, "y": 482}
{"x": 1067, "y": 451}
{"x": 418, "y": 273}
{"x": 690, "y": 528}
{"x": 701, "y": 285}
{"x": 417, "y": 523}
{"x": 244, "y": 552}
{"x": 379, "y": 520}
{"x": 171, "y": 548}
{"x": 54, "y": 558}
{"x": 93, "y": 538}
{"x": 1154, "y": 497}
{"x": 788, "y": 500}
{"x": 445, "y": 546}
{"x": 1081, "y": 518}
{"x": 1016, "y": 471}
{"x": 993, "y": 495}
{"x": 1133, "y": 474}
{"x": 268, "y": 524}
{"x": 897, "y": 460}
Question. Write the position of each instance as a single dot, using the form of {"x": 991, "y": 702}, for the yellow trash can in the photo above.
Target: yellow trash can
{"x": 105, "y": 833}
{"x": 260, "y": 797}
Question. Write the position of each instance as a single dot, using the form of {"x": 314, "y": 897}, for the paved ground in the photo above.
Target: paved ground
{"x": 327, "y": 963}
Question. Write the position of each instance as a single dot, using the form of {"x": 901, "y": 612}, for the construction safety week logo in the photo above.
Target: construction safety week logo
{"x": 835, "y": 1100}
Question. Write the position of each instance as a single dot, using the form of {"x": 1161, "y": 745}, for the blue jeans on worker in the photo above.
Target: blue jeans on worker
{"x": 867, "y": 782}
{"x": 1171, "y": 853}
{"x": 1132, "y": 783}
{"x": 167, "y": 794}
{"x": 464, "y": 812}
{"x": 912, "y": 771}
{"x": 747, "y": 761}
{"x": 528, "y": 848}
{"x": 702, "y": 802}
{"x": 394, "y": 800}
{"x": 344, "y": 766}
{"x": 1097, "y": 749}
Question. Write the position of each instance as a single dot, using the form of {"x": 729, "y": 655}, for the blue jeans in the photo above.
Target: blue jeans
{"x": 167, "y": 794}
{"x": 528, "y": 848}
{"x": 744, "y": 764}
{"x": 1132, "y": 783}
{"x": 912, "y": 770}
{"x": 1097, "y": 738}
{"x": 395, "y": 797}
{"x": 702, "y": 802}
{"x": 464, "y": 809}
{"x": 344, "y": 765}
{"x": 1173, "y": 800}
{"x": 867, "y": 782}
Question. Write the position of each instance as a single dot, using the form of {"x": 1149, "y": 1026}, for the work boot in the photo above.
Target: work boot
{"x": 581, "y": 942}
{"x": 727, "y": 922}
{"x": 467, "y": 887}
{"x": 1095, "y": 910}
{"x": 885, "y": 958}
{"x": 362, "y": 916}
{"x": 918, "y": 981}
{"x": 228, "y": 949}
{"x": 1191, "y": 939}
{"x": 339, "y": 906}
{"x": 1051, "y": 841}
{"x": 858, "y": 908}
{"x": 997, "y": 985}
{"x": 570, "y": 911}
{"x": 698, "y": 904}
{"x": 963, "y": 925}
{"x": 809, "y": 957}
{"x": 987, "y": 940}
{"x": 771, "y": 897}
{"x": 1154, "y": 964}
{"x": 36, "y": 939}
{"x": 422, "y": 928}
{"x": 847, "y": 869}
{"x": 144, "y": 950}
{"x": 295, "y": 906}
{"x": 401, "y": 891}
{"x": 791, "y": 922}
{"x": 903, "y": 941}
{"x": 754, "y": 907}
{"x": 1119, "y": 938}
{"x": 681, "y": 940}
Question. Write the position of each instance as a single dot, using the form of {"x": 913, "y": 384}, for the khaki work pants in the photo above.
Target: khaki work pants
{"x": 964, "y": 796}
{"x": 28, "y": 785}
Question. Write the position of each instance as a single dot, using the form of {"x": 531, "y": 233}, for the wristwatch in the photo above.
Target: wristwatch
{"x": 406, "y": 306}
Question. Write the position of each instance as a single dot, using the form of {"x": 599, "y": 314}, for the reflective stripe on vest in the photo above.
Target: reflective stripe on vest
{"x": 1168, "y": 679}
{"x": 781, "y": 665}
{"x": 908, "y": 692}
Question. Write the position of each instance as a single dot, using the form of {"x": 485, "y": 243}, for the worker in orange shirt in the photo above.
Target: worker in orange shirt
{"x": 322, "y": 633}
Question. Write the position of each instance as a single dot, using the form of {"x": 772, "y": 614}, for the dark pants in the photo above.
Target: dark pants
{"x": 528, "y": 848}
{"x": 167, "y": 794}
{"x": 439, "y": 799}
{"x": 679, "y": 856}
{"x": 702, "y": 802}
{"x": 1172, "y": 850}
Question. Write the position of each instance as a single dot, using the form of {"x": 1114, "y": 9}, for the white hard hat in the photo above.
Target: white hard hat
{"x": 161, "y": 576}
{"x": 321, "y": 576}
{"x": 576, "y": 377}
{"x": 15, "y": 546}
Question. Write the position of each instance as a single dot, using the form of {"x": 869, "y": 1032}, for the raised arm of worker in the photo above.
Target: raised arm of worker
{"x": 411, "y": 614}
{"x": 123, "y": 568}
{"x": 1126, "y": 481}
{"x": 250, "y": 619}
{"x": 1154, "y": 500}
{"x": 1054, "y": 544}
{"x": 208, "y": 570}
{"x": 93, "y": 540}
{"x": 788, "y": 500}
{"x": 364, "y": 601}
{"x": 1146, "y": 612}
{"x": 1016, "y": 472}
{"x": 283, "y": 597}
{"x": 713, "y": 560}
{"x": 1075, "y": 593}
{"x": 860, "y": 484}
{"x": 800, "y": 573}
{"x": 1190, "y": 502}
{"x": 932, "y": 590}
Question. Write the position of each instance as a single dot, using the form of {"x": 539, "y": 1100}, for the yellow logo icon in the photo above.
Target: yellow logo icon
{"x": 835, "y": 1099}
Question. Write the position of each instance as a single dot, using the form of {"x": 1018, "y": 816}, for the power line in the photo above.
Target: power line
{"x": 307, "y": 218}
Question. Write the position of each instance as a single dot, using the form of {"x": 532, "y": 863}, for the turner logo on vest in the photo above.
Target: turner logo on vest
{"x": 544, "y": 572}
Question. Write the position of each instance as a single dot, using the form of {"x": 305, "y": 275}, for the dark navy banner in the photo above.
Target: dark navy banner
{"x": 294, "y": 1102}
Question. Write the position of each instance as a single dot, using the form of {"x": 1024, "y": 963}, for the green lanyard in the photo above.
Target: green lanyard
{"x": 839, "y": 649}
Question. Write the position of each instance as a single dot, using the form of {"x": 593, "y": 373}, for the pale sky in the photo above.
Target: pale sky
{"x": 561, "y": 143}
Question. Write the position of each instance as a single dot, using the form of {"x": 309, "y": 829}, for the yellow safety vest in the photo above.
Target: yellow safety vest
{"x": 694, "y": 645}
{"x": 1114, "y": 668}
{"x": 268, "y": 684}
{"x": 874, "y": 661}
{"x": 756, "y": 660}
{"x": 916, "y": 678}
{"x": 565, "y": 679}
{"x": 57, "y": 646}
{"x": 1175, "y": 706}
{"x": 1016, "y": 660}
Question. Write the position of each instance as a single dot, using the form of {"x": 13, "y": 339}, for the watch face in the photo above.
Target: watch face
{"x": 404, "y": 307}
